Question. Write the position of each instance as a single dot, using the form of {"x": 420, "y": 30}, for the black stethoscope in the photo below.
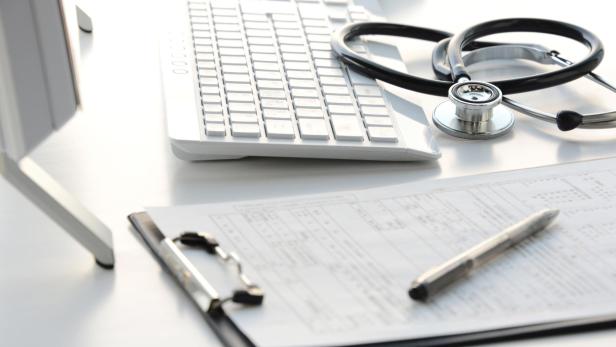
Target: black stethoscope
{"x": 476, "y": 109}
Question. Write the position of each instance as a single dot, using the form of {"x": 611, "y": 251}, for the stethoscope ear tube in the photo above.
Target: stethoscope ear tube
{"x": 535, "y": 82}
{"x": 382, "y": 72}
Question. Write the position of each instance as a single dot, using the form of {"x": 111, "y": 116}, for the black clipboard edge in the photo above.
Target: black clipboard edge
{"x": 226, "y": 331}
{"x": 231, "y": 336}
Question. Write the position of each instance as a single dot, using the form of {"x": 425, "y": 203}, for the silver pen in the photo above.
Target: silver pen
{"x": 441, "y": 276}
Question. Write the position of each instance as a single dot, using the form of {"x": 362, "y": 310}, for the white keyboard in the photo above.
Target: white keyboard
{"x": 267, "y": 83}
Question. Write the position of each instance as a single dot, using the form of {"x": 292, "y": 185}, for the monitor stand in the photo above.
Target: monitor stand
{"x": 83, "y": 20}
{"x": 34, "y": 183}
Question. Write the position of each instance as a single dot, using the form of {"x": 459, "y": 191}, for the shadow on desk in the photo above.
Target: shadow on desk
{"x": 258, "y": 178}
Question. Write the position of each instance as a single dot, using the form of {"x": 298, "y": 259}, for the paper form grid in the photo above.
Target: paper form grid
{"x": 336, "y": 268}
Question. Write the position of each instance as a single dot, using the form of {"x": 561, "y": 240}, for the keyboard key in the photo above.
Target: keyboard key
{"x": 255, "y": 18}
{"x": 202, "y": 34}
{"x": 311, "y": 12}
{"x": 292, "y": 49}
{"x": 245, "y": 130}
{"x": 226, "y": 20}
{"x": 259, "y": 65}
{"x": 290, "y": 40}
{"x": 269, "y": 113}
{"x": 210, "y": 90}
{"x": 289, "y": 32}
{"x": 232, "y": 35}
{"x": 241, "y": 107}
{"x": 256, "y": 25}
{"x": 382, "y": 134}
{"x": 326, "y": 63}
{"x": 275, "y": 103}
{"x": 296, "y": 83}
{"x": 309, "y": 113}
{"x": 233, "y": 77}
{"x": 279, "y": 129}
{"x": 347, "y": 128}
{"x": 266, "y": 84}
{"x": 295, "y": 57}
{"x": 202, "y": 42}
{"x": 235, "y": 69}
{"x": 238, "y": 87}
{"x": 378, "y": 121}
{"x": 231, "y": 43}
{"x": 315, "y": 23}
{"x": 243, "y": 118}
{"x": 309, "y": 93}
{"x": 201, "y": 7}
{"x": 224, "y": 4}
{"x": 227, "y": 27}
{"x": 245, "y": 97}
{"x": 333, "y": 81}
{"x": 357, "y": 78}
{"x": 205, "y": 56}
{"x": 338, "y": 99}
{"x": 286, "y": 25}
{"x": 207, "y": 73}
{"x": 206, "y": 65}
{"x": 313, "y": 129}
{"x": 212, "y": 108}
{"x": 200, "y": 27}
{"x": 216, "y": 99}
{"x": 204, "y": 49}
{"x": 268, "y": 75}
{"x": 341, "y": 109}
{"x": 262, "y": 49}
{"x": 306, "y": 75}
{"x": 214, "y": 118}
{"x": 224, "y": 12}
{"x": 270, "y": 58}
{"x": 260, "y": 41}
{"x": 258, "y": 33}
{"x": 374, "y": 111}
{"x": 323, "y": 55}
{"x": 232, "y": 51}
{"x": 370, "y": 101}
{"x": 236, "y": 60}
{"x": 208, "y": 81}
{"x": 295, "y": 65}
{"x": 335, "y": 90}
{"x": 324, "y": 71}
{"x": 319, "y": 46}
{"x": 215, "y": 129}
{"x": 272, "y": 94}
{"x": 318, "y": 38}
{"x": 305, "y": 102}
{"x": 367, "y": 90}
{"x": 318, "y": 30}
{"x": 285, "y": 17}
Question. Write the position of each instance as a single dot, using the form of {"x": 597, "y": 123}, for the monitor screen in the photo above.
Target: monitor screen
{"x": 38, "y": 55}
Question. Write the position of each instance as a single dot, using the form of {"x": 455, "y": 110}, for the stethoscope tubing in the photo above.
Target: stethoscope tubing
{"x": 545, "y": 26}
{"x": 466, "y": 40}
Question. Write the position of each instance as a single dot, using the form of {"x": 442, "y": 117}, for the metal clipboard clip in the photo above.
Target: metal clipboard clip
{"x": 193, "y": 282}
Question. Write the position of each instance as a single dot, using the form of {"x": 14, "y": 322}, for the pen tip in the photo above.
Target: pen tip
{"x": 418, "y": 292}
{"x": 552, "y": 212}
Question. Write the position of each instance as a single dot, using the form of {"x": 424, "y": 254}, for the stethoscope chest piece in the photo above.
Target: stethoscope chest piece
{"x": 474, "y": 112}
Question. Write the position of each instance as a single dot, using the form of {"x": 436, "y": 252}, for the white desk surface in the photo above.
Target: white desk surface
{"x": 116, "y": 159}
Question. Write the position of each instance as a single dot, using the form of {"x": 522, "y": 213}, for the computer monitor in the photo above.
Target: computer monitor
{"x": 38, "y": 94}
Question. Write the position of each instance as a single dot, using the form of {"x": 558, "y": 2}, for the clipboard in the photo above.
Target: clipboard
{"x": 231, "y": 336}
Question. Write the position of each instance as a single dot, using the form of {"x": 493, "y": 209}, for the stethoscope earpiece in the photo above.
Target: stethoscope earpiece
{"x": 473, "y": 111}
